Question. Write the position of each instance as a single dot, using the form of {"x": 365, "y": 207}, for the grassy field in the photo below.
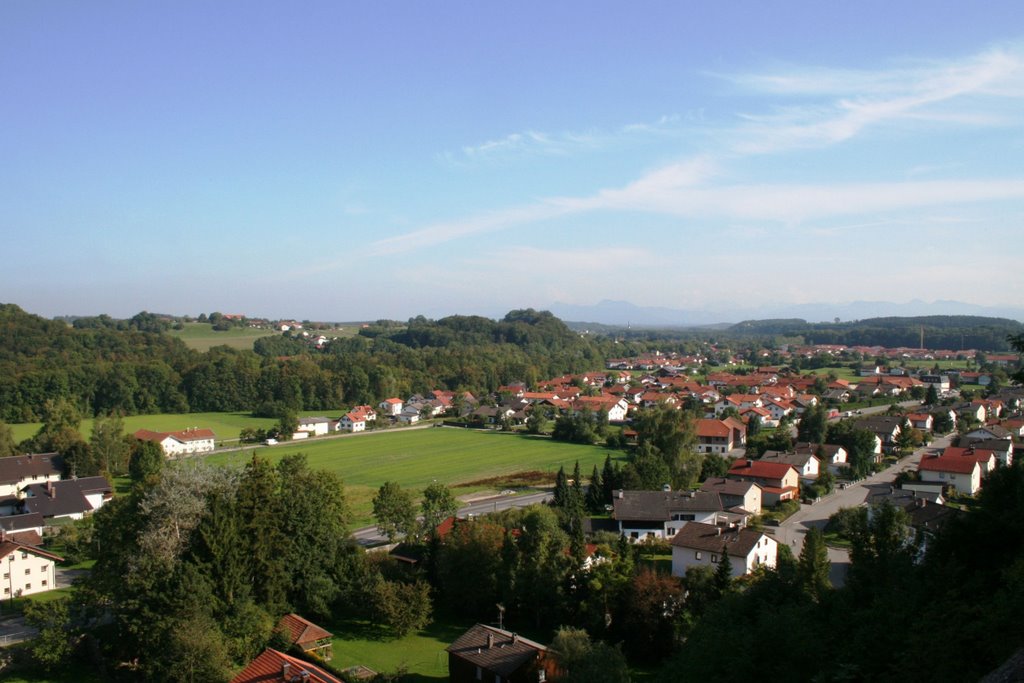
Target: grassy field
{"x": 469, "y": 461}
{"x": 202, "y": 336}
{"x": 224, "y": 425}
{"x": 422, "y": 653}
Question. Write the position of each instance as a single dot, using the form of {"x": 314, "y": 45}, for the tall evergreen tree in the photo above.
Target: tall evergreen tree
{"x": 723, "y": 572}
{"x": 595, "y": 493}
{"x": 813, "y": 566}
{"x": 561, "y": 492}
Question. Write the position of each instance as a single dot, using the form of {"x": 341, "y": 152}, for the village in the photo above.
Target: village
{"x": 929, "y": 450}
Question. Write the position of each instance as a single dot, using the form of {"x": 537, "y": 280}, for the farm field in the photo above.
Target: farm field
{"x": 468, "y": 461}
{"x": 202, "y": 336}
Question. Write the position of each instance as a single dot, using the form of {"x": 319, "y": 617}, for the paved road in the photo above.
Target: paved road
{"x": 369, "y": 536}
{"x": 792, "y": 531}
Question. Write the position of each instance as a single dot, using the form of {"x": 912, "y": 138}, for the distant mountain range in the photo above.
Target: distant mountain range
{"x": 625, "y": 313}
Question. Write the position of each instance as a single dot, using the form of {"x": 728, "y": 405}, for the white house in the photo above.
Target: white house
{"x": 963, "y": 474}
{"x": 185, "y": 442}
{"x": 807, "y": 465}
{"x": 18, "y": 471}
{"x": 352, "y": 422}
{"x": 660, "y": 514}
{"x": 391, "y": 407}
{"x": 702, "y": 545}
{"x": 26, "y": 569}
{"x": 314, "y": 426}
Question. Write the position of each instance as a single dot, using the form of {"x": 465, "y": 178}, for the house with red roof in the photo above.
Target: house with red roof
{"x": 28, "y": 569}
{"x": 963, "y": 474}
{"x": 184, "y": 442}
{"x": 987, "y": 459}
{"x": 391, "y": 407}
{"x": 277, "y": 667}
{"x": 779, "y": 481}
{"x": 720, "y": 436}
{"x": 306, "y": 635}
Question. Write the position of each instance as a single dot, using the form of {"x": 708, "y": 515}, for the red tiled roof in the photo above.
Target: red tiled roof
{"x": 708, "y": 428}
{"x": 268, "y": 668}
{"x": 301, "y": 631}
{"x": 759, "y": 469}
{"x": 951, "y": 463}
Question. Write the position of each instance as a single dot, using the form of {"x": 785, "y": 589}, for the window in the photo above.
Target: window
{"x": 28, "y": 586}
{"x": 670, "y": 531}
{"x": 28, "y": 570}
{"x": 24, "y": 555}
{"x": 7, "y": 591}
{"x": 714, "y": 558}
{"x": 634, "y": 534}
{"x": 7, "y": 575}
{"x": 44, "y": 582}
{"x": 697, "y": 555}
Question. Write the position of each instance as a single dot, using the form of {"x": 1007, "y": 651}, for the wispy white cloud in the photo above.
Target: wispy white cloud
{"x": 836, "y": 106}
{"x": 533, "y": 143}
{"x": 843, "y": 103}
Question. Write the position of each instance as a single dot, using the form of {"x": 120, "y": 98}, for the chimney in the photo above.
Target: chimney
{"x": 490, "y": 640}
{"x": 49, "y": 489}
{"x": 515, "y": 638}
{"x": 286, "y": 669}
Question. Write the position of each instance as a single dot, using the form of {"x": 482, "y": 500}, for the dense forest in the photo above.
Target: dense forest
{"x": 135, "y": 368}
{"x": 953, "y": 332}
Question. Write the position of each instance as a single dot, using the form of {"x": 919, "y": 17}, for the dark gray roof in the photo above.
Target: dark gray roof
{"x": 507, "y": 652}
{"x": 794, "y": 459}
{"x": 728, "y": 487}
{"x": 659, "y": 505}
{"x": 17, "y": 468}
{"x": 699, "y": 536}
{"x": 11, "y": 523}
{"x": 66, "y": 497}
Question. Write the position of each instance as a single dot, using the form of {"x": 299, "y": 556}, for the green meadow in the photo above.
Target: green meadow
{"x": 202, "y": 336}
{"x": 468, "y": 460}
{"x": 225, "y": 425}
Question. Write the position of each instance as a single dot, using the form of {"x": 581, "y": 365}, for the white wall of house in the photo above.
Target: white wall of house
{"x": 765, "y": 553}
{"x": 26, "y": 572}
{"x": 670, "y": 527}
{"x": 964, "y": 483}
{"x": 14, "y": 489}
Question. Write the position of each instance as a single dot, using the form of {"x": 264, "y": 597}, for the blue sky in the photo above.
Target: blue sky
{"x": 363, "y": 160}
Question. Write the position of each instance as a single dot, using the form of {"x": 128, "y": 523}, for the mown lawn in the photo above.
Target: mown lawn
{"x": 463, "y": 459}
{"x": 421, "y": 653}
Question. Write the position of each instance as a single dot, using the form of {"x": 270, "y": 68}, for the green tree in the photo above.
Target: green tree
{"x": 109, "y": 445}
{"x": 723, "y": 573}
{"x": 57, "y": 637}
{"x": 146, "y": 461}
{"x": 813, "y": 424}
{"x": 437, "y": 505}
{"x": 402, "y": 607}
{"x": 394, "y": 510}
{"x": 595, "y": 493}
{"x": 582, "y": 661}
{"x": 931, "y": 396}
{"x": 813, "y": 567}
{"x": 60, "y": 427}
{"x": 7, "y": 446}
